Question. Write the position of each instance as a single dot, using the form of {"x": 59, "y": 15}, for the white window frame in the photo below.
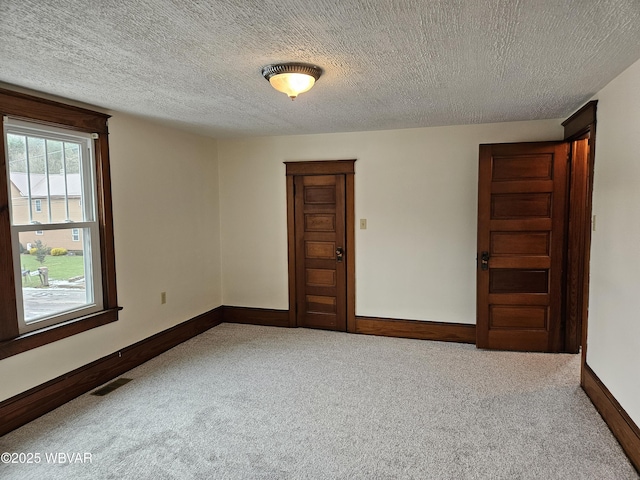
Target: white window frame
{"x": 75, "y": 234}
{"x": 38, "y": 205}
{"x": 90, "y": 226}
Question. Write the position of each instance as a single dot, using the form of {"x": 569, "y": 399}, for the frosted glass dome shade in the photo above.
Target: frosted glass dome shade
{"x": 292, "y": 84}
{"x": 292, "y": 79}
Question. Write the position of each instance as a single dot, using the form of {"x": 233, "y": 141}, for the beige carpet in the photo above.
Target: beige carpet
{"x": 248, "y": 402}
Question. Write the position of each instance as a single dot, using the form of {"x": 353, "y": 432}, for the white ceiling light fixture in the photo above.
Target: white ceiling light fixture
{"x": 292, "y": 79}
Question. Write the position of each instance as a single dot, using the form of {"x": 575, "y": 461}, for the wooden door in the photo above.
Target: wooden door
{"x": 320, "y": 251}
{"x": 522, "y": 207}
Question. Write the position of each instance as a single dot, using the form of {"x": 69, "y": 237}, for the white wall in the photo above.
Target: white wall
{"x": 166, "y": 226}
{"x": 613, "y": 346}
{"x": 417, "y": 188}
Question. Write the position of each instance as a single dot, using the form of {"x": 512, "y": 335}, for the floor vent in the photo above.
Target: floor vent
{"x": 101, "y": 392}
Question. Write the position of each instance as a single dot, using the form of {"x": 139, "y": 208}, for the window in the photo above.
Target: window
{"x": 56, "y": 165}
{"x": 58, "y": 154}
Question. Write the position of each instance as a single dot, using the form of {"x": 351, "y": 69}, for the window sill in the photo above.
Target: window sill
{"x": 38, "y": 338}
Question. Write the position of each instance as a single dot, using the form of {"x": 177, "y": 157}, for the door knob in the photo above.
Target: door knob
{"x": 484, "y": 261}
{"x": 339, "y": 254}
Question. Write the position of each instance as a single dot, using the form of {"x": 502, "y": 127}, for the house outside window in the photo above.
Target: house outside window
{"x": 61, "y": 191}
{"x": 75, "y": 235}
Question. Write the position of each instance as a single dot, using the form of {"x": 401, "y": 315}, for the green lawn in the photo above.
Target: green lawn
{"x": 62, "y": 267}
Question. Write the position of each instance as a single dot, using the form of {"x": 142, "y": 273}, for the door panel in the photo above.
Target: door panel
{"x": 517, "y": 205}
{"x": 521, "y": 226}
{"x": 512, "y": 280}
{"x": 519, "y": 243}
{"x": 320, "y": 232}
{"x": 526, "y": 167}
{"x": 320, "y": 250}
{"x": 317, "y": 277}
{"x": 514, "y": 317}
{"x": 320, "y": 223}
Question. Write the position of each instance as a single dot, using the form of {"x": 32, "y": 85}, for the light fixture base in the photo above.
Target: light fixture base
{"x": 304, "y": 68}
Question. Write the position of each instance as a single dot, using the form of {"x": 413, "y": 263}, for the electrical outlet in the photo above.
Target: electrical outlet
{"x": 163, "y": 297}
{"x": 363, "y": 224}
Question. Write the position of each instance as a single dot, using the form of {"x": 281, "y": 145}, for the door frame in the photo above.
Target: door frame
{"x": 323, "y": 167}
{"x": 579, "y": 125}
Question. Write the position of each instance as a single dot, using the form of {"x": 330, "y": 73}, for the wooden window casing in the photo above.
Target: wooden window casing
{"x": 46, "y": 112}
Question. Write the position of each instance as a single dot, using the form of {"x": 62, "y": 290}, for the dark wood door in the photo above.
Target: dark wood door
{"x": 320, "y": 251}
{"x": 522, "y": 207}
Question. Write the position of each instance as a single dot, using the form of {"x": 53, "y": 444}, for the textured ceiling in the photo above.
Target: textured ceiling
{"x": 388, "y": 63}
